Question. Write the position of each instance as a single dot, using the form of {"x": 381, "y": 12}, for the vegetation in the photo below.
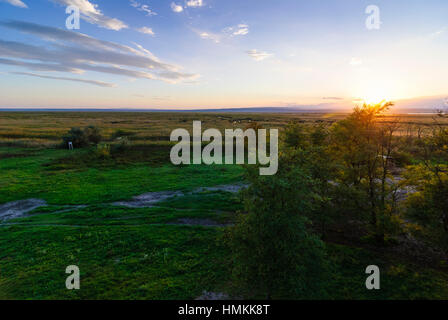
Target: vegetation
{"x": 351, "y": 191}
{"x": 83, "y": 137}
{"x": 274, "y": 256}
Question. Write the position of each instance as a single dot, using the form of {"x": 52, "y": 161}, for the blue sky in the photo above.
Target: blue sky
{"x": 220, "y": 53}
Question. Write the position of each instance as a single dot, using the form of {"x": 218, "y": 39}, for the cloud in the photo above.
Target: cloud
{"x": 91, "y": 14}
{"x": 176, "y": 8}
{"x": 146, "y": 52}
{"x": 94, "y": 82}
{"x": 332, "y": 98}
{"x": 355, "y": 61}
{"x": 73, "y": 52}
{"x": 16, "y": 3}
{"x": 209, "y": 36}
{"x": 438, "y": 33}
{"x": 146, "y": 30}
{"x": 194, "y": 3}
{"x": 173, "y": 76}
{"x": 54, "y": 34}
{"x": 143, "y": 7}
{"x": 239, "y": 30}
{"x": 258, "y": 55}
{"x": 40, "y": 66}
{"x": 226, "y": 33}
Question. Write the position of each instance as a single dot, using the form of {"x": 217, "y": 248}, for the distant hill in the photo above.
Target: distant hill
{"x": 414, "y": 105}
{"x": 222, "y": 110}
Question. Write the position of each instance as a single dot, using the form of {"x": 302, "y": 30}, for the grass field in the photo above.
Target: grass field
{"x": 46, "y": 128}
{"x": 172, "y": 250}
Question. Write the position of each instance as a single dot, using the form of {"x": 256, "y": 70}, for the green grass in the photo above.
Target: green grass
{"x": 108, "y": 215}
{"x": 171, "y": 262}
{"x": 29, "y": 177}
{"x": 116, "y": 262}
{"x": 399, "y": 280}
{"x": 122, "y": 252}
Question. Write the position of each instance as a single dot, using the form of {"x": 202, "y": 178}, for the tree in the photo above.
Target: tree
{"x": 309, "y": 147}
{"x": 273, "y": 253}
{"x": 364, "y": 148}
{"x": 429, "y": 205}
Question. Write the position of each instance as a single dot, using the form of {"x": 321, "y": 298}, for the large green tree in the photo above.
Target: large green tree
{"x": 428, "y": 206}
{"x": 274, "y": 255}
{"x": 364, "y": 148}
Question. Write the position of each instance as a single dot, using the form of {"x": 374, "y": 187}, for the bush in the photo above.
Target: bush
{"x": 103, "y": 151}
{"x": 82, "y": 137}
{"x": 120, "y": 146}
{"x": 93, "y": 134}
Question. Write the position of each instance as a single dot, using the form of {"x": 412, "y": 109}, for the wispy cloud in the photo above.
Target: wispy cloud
{"x": 143, "y": 7}
{"x": 91, "y": 14}
{"x": 176, "y": 8}
{"x": 258, "y": 55}
{"x": 73, "y": 52}
{"x": 94, "y": 82}
{"x": 194, "y": 3}
{"x": 16, "y": 3}
{"x": 40, "y": 66}
{"x": 56, "y": 34}
{"x": 355, "y": 61}
{"x": 332, "y": 98}
{"x": 438, "y": 33}
{"x": 146, "y": 30}
{"x": 226, "y": 33}
{"x": 239, "y": 30}
{"x": 209, "y": 36}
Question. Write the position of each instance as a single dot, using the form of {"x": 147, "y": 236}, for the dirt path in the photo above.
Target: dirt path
{"x": 151, "y": 198}
{"x": 148, "y": 199}
{"x": 233, "y": 188}
{"x": 17, "y": 209}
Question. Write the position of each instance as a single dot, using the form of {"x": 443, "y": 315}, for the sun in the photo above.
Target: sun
{"x": 373, "y": 95}
{"x": 372, "y": 88}
{"x": 374, "y": 99}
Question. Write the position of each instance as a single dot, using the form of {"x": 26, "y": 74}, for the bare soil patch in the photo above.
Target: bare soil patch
{"x": 17, "y": 209}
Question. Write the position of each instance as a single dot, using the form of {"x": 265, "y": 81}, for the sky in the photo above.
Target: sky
{"x": 193, "y": 54}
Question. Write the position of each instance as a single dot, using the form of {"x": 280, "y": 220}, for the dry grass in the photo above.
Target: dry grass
{"x": 45, "y": 129}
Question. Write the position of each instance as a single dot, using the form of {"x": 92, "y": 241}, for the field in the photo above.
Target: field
{"x": 169, "y": 249}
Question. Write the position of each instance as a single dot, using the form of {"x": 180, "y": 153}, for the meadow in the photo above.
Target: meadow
{"x": 172, "y": 249}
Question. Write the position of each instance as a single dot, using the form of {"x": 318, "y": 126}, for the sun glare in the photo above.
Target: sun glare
{"x": 374, "y": 99}
{"x": 373, "y": 96}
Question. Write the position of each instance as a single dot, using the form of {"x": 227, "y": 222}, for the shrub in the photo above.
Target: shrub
{"x": 93, "y": 134}
{"x": 77, "y": 137}
{"x": 82, "y": 137}
{"x": 103, "y": 151}
{"x": 120, "y": 146}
